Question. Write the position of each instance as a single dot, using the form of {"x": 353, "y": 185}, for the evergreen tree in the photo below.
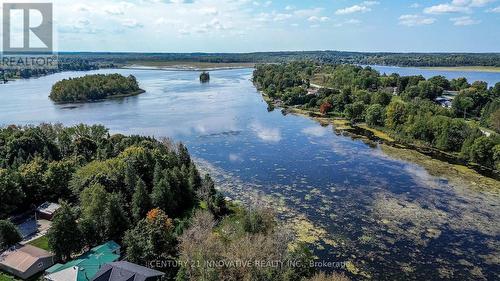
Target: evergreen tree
{"x": 115, "y": 218}
{"x": 162, "y": 196}
{"x": 184, "y": 157}
{"x": 141, "y": 202}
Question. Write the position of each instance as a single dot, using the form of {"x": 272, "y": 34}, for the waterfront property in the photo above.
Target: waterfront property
{"x": 123, "y": 270}
{"x": 25, "y": 261}
{"x": 86, "y": 266}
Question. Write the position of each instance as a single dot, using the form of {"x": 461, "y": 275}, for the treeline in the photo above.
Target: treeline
{"x": 403, "y": 105}
{"x": 336, "y": 57}
{"x": 94, "y": 87}
{"x": 148, "y": 196}
{"x": 64, "y": 64}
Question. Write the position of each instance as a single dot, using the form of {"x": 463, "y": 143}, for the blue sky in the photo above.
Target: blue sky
{"x": 261, "y": 25}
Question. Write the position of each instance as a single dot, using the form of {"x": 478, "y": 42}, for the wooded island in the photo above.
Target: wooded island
{"x": 94, "y": 87}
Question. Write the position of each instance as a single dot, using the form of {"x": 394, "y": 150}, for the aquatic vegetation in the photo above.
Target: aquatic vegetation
{"x": 456, "y": 174}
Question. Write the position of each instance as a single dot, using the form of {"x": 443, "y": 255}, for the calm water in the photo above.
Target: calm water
{"x": 489, "y": 77}
{"x": 388, "y": 218}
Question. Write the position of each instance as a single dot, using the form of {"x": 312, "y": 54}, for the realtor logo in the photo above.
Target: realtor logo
{"x": 27, "y": 28}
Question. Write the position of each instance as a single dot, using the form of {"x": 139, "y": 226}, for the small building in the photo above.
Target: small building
{"x": 46, "y": 210}
{"x": 312, "y": 91}
{"x": 25, "y": 261}
{"x": 126, "y": 271}
{"x": 85, "y": 267}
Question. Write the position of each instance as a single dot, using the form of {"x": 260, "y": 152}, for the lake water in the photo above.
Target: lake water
{"x": 489, "y": 77}
{"x": 353, "y": 202}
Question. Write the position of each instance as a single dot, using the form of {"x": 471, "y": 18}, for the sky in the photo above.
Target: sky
{"x": 277, "y": 25}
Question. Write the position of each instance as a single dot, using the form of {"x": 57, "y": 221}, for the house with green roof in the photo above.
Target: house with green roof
{"x": 86, "y": 266}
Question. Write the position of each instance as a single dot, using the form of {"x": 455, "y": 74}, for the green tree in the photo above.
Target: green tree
{"x": 459, "y": 84}
{"x": 57, "y": 177}
{"x": 375, "y": 115}
{"x": 115, "y": 218}
{"x": 141, "y": 202}
{"x": 481, "y": 151}
{"x": 10, "y": 193}
{"x": 355, "y": 111}
{"x": 93, "y": 204}
{"x": 162, "y": 197}
{"x": 440, "y": 81}
{"x": 64, "y": 235}
{"x": 495, "y": 120}
{"x": 462, "y": 105}
{"x": 381, "y": 98}
{"x": 33, "y": 183}
{"x": 9, "y": 234}
{"x": 151, "y": 238}
{"x": 496, "y": 156}
{"x": 396, "y": 114}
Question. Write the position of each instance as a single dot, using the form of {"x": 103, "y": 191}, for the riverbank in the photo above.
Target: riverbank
{"x": 135, "y": 93}
{"x": 382, "y": 136}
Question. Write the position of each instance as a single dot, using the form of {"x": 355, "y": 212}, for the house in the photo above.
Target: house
{"x": 86, "y": 266}
{"x": 126, "y": 271}
{"x": 46, "y": 210}
{"x": 25, "y": 261}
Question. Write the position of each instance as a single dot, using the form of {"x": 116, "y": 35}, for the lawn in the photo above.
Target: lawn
{"x": 5, "y": 277}
{"x": 8, "y": 277}
{"x": 41, "y": 242}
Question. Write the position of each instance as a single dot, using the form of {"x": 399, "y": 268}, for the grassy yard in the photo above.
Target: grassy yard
{"x": 41, "y": 242}
{"x": 5, "y": 277}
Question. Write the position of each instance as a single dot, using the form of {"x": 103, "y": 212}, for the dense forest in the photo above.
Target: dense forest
{"x": 337, "y": 57}
{"x": 147, "y": 195}
{"x": 94, "y": 87}
{"x": 403, "y": 106}
{"x": 64, "y": 64}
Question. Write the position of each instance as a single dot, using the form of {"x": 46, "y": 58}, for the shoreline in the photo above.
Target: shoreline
{"x": 362, "y": 131}
{"x": 136, "y": 93}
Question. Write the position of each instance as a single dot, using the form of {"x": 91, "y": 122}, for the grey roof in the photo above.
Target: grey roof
{"x": 126, "y": 271}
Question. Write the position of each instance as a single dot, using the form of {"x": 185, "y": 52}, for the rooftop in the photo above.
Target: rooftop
{"x": 48, "y": 208}
{"x": 86, "y": 266}
{"x": 123, "y": 270}
{"x": 22, "y": 258}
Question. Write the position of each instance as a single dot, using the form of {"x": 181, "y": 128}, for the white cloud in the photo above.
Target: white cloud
{"x": 353, "y": 9}
{"x": 281, "y": 17}
{"x": 464, "y": 21}
{"x": 371, "y": 3}
{"x": 494, "y": 10}
{"x": 446, "y": 9}
{"x": 308, "y": 12}
{"x": 318, "y": 19}
{"x": 415, "y": 5}
{"x": 457, "y": 6}
{"x": 415, "y": 20}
